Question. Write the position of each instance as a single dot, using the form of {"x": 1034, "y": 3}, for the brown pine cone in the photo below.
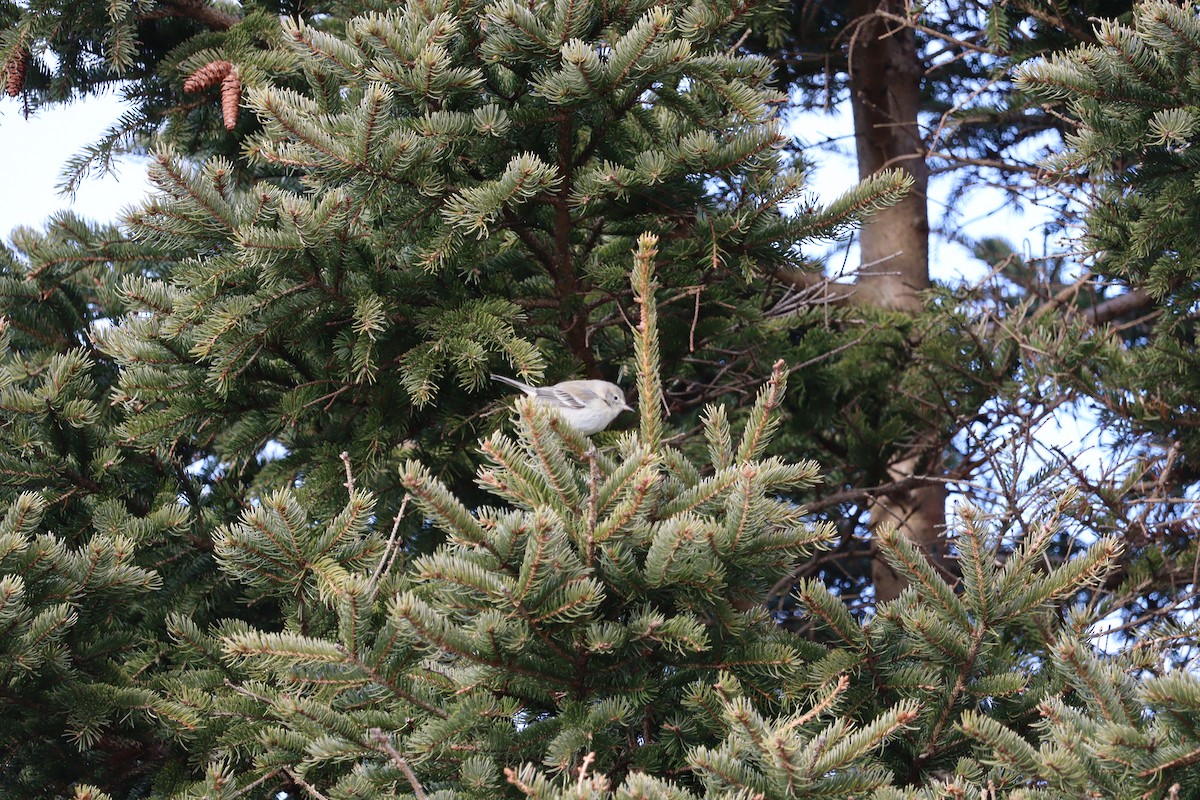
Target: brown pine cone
{"x": 209, "y": 75}
{"x": 14, "y": 72}
{"x": 231, "y": 97}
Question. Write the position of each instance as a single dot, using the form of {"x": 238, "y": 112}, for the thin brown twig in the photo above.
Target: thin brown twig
{"x": 695, "y": 321}
{"x": 583, "y": 769}
{"x": 379, "y": 736}
{"x": 349, "y": 484}
{"x": 733, "y": 48}
{"x": 255, "y": 784}
{"x": 305, "y": 785}
{"x": 390, "y": 550}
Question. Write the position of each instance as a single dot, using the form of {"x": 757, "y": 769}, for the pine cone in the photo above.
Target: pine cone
{"x": 231, "y": 96}
{"x": 209, "y": 75}
{"x": 14, "y": 72}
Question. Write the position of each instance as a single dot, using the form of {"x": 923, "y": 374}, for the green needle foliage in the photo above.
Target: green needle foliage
{"x": 593, "y": 631}
{"x": 100, "y": 540}
{"x": 584, "y": 616}
{"x": 594, "y": 628}
{"x": 1134, "y": 94}
{"x": 245, "y": 548}
{"x": 465, "y": 182}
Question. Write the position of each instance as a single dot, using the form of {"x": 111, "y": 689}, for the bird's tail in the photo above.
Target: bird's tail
{"x": 514, "y": 383}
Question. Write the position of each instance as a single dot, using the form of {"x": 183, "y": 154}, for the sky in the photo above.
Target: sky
{"x": 38, "y": 147}
{"x": 829, "y": 142}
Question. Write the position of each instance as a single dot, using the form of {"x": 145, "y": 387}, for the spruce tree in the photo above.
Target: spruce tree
{"x": 100, "y": 540}
{"x": 582, "y": 635}
{"x": 887, "y": 397}
{"x": 464, "y": 184}
{"x": 577, "y": 613}
{"x": 247, "y": 335}
{"x": 247, "y": 546}
{"x": 927, "y": 88}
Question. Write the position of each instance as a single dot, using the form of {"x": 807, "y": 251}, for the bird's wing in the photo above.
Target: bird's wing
{"x": 563, "y": 398}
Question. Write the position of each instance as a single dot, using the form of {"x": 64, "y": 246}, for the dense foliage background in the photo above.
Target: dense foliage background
{"x": 268, "y": 527}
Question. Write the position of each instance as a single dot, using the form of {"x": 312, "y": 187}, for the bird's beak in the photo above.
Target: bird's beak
{"x": 626, "y": 407}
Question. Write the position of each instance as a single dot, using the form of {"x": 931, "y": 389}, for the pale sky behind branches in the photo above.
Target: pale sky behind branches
{"x": 38, "y": 148}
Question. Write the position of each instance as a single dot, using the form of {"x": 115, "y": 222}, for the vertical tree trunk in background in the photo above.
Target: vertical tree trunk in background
{"x": 885, "y": 86}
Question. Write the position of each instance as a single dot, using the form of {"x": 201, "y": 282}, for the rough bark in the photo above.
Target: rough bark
{"x": 885, "y": 87}
{"x": 885, "y": 84}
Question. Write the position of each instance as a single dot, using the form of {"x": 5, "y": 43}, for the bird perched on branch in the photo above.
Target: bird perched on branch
{"x": 588, "y": 406}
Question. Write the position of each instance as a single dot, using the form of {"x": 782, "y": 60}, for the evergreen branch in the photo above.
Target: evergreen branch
{"x": 536, "y": 562}
{"x": 651, "y": 400}
{"x": 525, "y": 176}
{"x": 619, "y": 479}
{"x": 169, "y": 176}
{"x": 952, "y": 643}
{"x": 763, "y": 419}
{"x": 436, "y": 500}
{"x": 321, "y": 47}
{"x": 563, "y": 608}
{"x": 904, "y": 556}
{"x": 977, "y": 564}
{"x": 557, "y": 473}
{"x": 868, "y": 737}
{"x": 373, "y": 673}
{"x": 967, "y": 666}
{"x": 739, "y": 513}
{"x": 484, "y": 586}
{"x": 440, "y": 633}
{"x": 528, "y": 237}
{"x": 1186, "y": 760}
{"x": 719, "y": 437}
{"x": 673, "y": 557}
{"x": 821, "y": 705}
{"x": 642, "y": 484}
{"x": 1098, "y": 687}
{"x": 1007, "y": 747}
{"x": 706, "y": 491}
{"x": 283, "y": 648}
{"x": 832, "y": 612}
{"x": 881, "y": 190}
{"x": 516, "y": 480}
{"x": 744, "y": 720}
{"x": 628, "y": 49}
{"x": 1087, "y": 569}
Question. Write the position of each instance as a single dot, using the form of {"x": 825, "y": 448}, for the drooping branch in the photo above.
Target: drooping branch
{"x": 1128, "y": 303}
{"x": 814, "y": 288}
{"x": 198, "y": 10}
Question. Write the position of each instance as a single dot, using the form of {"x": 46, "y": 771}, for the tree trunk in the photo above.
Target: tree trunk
{"x": 885, "y": 85}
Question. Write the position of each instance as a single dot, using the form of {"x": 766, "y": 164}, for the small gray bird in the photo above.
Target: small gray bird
{"x": 588, "y": 406}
